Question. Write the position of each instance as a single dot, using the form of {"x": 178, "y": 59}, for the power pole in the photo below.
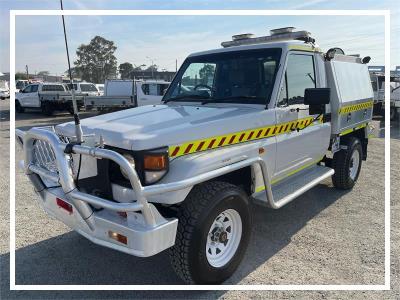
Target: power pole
{"x": 176, "y": 65}
{"x": 27, "y": 72}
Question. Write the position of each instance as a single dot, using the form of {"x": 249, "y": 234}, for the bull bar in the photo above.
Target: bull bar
{"x": 80, "y": 200}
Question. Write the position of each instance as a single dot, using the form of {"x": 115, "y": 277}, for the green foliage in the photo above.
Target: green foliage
{"x": 20, "y": 76}
{"x": 96, "y": 61}
{"x": 207, "y": 71}
{"x": 43, "y": 73}
{"x": 125, "y": 70}
{"x": 153, "y": 68}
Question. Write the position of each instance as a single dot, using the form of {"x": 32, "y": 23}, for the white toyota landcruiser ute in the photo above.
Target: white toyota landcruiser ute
{"x": 261, "y": 120}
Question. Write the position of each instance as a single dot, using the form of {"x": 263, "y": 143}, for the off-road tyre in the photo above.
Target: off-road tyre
{"x": 47, "y": 108}
{"x": 18, "y": 108}
{"x": 196, "y": 215}
{"x": 341, "y": 163}
{"x": 393, "y": 114}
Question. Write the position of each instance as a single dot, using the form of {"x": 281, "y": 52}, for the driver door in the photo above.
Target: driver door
{"x": 296, "y": 149}
{"x": 24, "y": 95}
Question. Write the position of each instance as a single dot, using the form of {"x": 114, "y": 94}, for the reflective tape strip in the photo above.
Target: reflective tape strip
{"x": 347, "y": 131}
{"x": 350, "y": 108}
{"x": 237, "y": 137}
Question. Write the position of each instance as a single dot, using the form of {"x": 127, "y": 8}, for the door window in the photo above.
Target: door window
{"x": 34, "y": 88}
{"x": 27, "y": 89}
{"x": 299, "y": 75}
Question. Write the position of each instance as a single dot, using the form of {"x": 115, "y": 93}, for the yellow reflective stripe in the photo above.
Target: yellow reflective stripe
{"x": 237, "y": 137}
{"x": 347, "y": 131}
{"x": 275, "y": 181}
{"x": 355, "y": 107}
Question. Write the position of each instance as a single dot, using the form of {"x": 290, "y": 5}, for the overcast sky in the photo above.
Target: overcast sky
{"x": 40, "y": 44}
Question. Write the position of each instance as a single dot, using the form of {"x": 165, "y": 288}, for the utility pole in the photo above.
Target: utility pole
{"x": 27, "y": 72}
{"x": 152, "y": 66}
{"x": 176, "y": 65}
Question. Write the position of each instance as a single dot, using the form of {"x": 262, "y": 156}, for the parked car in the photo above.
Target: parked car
{"x": 4, "y": 90}
{"x": 120, "y": 94}
{"x": 261, "y": 120}
{"x": 48, "y": 97}
{"x": 85, "y": 88}
{"x": 21, "y": 84}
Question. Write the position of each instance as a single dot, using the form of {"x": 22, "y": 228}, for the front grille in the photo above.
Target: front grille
{"x": 43, "y": 156}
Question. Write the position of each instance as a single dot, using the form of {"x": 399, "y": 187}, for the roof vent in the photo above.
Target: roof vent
{"x": 242, "y": 36}
{"x": 282, "y": 30}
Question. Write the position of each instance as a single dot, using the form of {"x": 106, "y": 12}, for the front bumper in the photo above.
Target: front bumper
{"x": 145, "y": 230}
{"x": 141, "y": 240}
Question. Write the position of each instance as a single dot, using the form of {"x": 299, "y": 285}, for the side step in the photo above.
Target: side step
{"x": 290, "y": 188}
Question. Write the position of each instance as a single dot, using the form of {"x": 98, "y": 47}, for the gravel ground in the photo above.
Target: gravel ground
{"x": 325, "y": 236}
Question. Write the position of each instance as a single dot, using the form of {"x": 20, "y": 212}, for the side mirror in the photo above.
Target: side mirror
{"x": 316, "y": 99}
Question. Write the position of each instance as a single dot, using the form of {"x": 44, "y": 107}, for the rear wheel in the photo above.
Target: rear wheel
{"x": 347, "y": 164}
{"x": 213, "y": 233}
{"x": 18, "y": 108}
{"x": 393, "y": 113}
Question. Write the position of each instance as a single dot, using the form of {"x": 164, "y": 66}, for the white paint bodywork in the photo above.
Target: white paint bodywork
{"x": 164, "y": 125}
{"x": 150, "y": 127}
{"x": 33, "y": 99}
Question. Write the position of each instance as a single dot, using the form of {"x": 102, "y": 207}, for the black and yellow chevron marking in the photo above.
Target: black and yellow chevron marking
{"x": 237, "y": 137}
{"x": 350, "y": 108}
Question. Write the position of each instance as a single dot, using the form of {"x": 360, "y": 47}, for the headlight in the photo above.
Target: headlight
{"x": 151, "y": 165}
{"x": 155, "y": 164}
{"x": 130, "y": 159}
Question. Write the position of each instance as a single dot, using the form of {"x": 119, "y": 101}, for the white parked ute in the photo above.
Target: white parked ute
{"x": 4, "y": 90}
{"x": 46, "y": 96}
{"x": 261, "y": 120}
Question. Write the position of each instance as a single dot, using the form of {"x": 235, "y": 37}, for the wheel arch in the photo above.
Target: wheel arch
{"x": 362, "y": 136}
{"x": 242, "y": 178}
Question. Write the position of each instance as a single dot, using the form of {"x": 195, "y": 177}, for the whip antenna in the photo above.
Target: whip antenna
{"x": 78, "y": 128}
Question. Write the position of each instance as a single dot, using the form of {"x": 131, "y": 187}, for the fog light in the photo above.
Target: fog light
{"x": 118, "y": 237}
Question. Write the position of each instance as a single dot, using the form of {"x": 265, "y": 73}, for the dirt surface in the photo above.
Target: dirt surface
{"x": 326, "y": 236}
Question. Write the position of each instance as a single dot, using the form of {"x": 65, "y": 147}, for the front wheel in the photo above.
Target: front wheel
{"x": 18, "y": 108}
{"x": 213, "y": 233}
{"x": 347, "y": 164}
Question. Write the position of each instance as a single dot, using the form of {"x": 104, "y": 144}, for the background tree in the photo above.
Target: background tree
{"x": 43, "y": 73}
{"x": 75, "y": 73}
{"x": 20, "y": 76}
{"x": 153, "y": 68}
{"x": 206, "y": 72}
{"x": 125, "y": 70}
{"x": 96, "y": 61}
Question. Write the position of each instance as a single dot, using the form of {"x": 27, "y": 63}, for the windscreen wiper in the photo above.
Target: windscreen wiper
{"x": 186, "y": 97}
{"x": 229, "y": 99}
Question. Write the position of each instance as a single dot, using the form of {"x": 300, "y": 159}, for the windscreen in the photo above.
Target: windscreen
{"x": 88, "y": 88}
{"x": 52, "y": 88}
{"x": 245, "y": 76}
